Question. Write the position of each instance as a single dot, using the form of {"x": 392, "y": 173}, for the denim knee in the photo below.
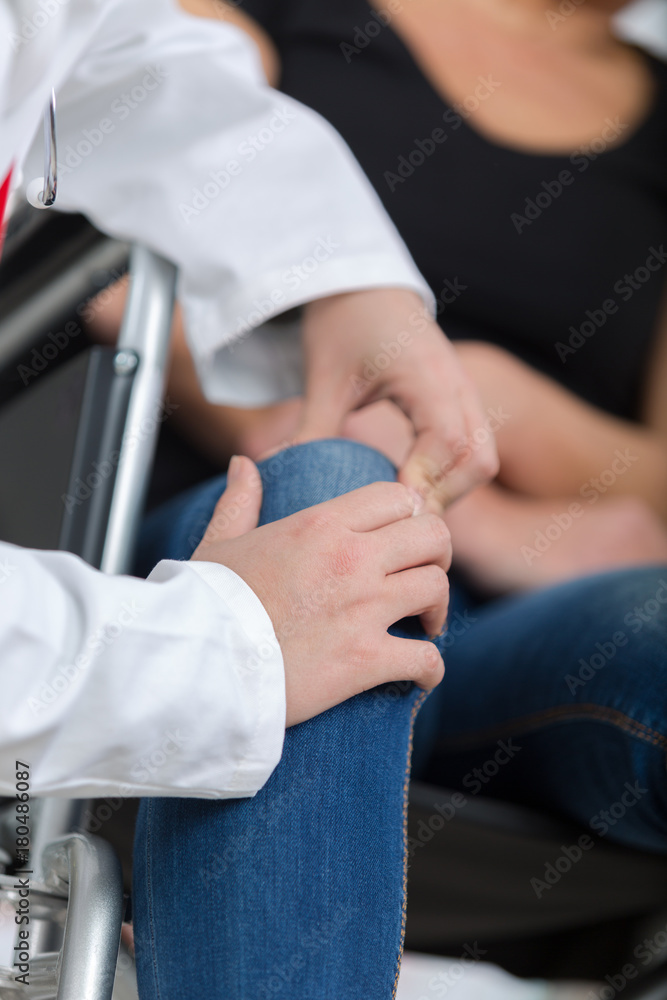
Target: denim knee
{"x": 292, "y": 480}
{"x": 311, "y": 473}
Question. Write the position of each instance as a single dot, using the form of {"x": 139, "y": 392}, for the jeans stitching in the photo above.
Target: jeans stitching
{"x": 149, "y": 896}
{"x": 562, "y": 713}
{"x": 406, "y": 790}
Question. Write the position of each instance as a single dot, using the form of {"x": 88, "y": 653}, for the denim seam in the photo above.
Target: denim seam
{"x": 562, "y": 713}
{"x": 149, "y": 895}
{"x": 406, "y": 791}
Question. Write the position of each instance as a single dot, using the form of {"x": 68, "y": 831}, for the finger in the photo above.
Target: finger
{"x": 410, "y": 660}
{"x": 422, "y": 592}
{"x": 478, "y": 454}
{"x": 446, "y": 464}
{"x": 323, "y": 413}
{"x": 369, "y": 507}
{"x": 237, "y": 510}
{"x": 431, "y": 461}
{"x": 441, "y": 435}
{"x": 415, "y": 542}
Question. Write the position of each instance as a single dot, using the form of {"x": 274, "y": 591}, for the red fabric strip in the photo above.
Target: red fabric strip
{"x": 4, "y": 195}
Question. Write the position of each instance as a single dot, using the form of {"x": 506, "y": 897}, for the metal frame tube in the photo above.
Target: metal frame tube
{"x": 94, "y": 914}
{"x": 144, "y": 341}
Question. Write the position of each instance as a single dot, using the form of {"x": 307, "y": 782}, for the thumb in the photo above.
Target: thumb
{"x": 237, "y": 510}
{"x": 323, "y": 413}
{"x": 430, "y": 472}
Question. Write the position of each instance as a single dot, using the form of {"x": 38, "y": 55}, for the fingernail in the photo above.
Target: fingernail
{"x": 234, "y": 470}
{"x": 418, "y": 500}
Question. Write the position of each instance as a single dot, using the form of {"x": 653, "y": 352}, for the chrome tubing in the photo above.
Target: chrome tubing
{"x": 92, "y": 871}
{"x": 143, "y": 347}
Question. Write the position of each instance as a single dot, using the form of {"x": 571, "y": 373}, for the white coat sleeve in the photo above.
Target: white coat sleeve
{"x": 114, "y": 686}
{"x": 169, "y": 135}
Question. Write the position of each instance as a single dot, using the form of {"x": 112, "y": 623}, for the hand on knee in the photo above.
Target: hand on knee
{"x": 333, "y": 579}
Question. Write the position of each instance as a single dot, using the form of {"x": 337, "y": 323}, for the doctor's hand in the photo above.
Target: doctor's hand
{"x": 333, "y": 578}
{"x": 381, "y": 344}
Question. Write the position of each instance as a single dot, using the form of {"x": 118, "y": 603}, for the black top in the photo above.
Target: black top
{"x": 515, "y": 256}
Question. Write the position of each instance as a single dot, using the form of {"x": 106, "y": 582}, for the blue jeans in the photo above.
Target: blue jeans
{"x": 555, "y": 698}
{"x": 299, "y": 892}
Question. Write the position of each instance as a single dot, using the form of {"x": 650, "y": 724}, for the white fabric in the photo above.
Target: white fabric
{"x": 168, "y": 135}
{"x": 427, "y": 977}
{"x": 113, "y": 686}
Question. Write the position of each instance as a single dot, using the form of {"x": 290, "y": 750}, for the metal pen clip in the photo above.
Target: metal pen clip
{"x": 41, "y": 192}
{"x": 48, "y": 195}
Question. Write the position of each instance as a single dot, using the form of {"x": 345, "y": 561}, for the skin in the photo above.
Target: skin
{"x": 557, "y": 83}
{"x": 368, "y": 551}
{"x": 554, "y": 443}
{"x": 554, "y": 446}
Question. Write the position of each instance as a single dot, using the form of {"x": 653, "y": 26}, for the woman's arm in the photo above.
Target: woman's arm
{"x": 505, "y": 542}
{"x": 578, "y": 492}
{"x": 234, "y": 15}
{"x": 553, "y": 444}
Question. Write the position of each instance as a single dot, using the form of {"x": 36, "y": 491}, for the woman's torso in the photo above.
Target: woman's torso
{"x": 557, "y": 258}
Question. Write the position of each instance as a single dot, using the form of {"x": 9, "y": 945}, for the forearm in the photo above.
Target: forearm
{"x": 553, "y": 444}
{"x": 505, "y": 542}
{"x": 576, "y": 451}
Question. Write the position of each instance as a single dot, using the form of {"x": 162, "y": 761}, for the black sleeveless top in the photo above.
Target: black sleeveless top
{"x": 559, "y": 259}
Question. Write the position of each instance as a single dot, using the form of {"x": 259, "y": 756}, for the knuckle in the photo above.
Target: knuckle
{"x": 438, "y": 532}
{"x": 430, "y": 661}
{"x": 317, "y": 520}
{"x": 455, "y": 440}
{"x": 634, "y": 518}
{"x": 440, "y": 583}
{"x": 347, "y": 556}
{"x": 400, "y": 497}
{"x": 488, "y": 464}
{"x": 363, "y": 655}
{"x": 393, "y": 494}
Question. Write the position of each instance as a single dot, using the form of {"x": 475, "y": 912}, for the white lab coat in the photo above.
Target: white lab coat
{"x": 169, "y": 135}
